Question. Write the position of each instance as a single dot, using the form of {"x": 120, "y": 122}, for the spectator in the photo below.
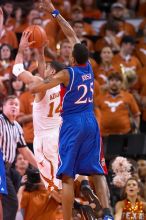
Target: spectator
{"x": 35, "y": 201}
{"x": 105, "y": 66}
{"x": 90, "y": 11}
{"x": 29, "y": 62}
{"x": 65, "y": 50}
{"x": 6, "y": 60}
{"x": 21, "y": 21}
{"x": 18, "y": 171}
{"x": 117, "y": 106}
{"x": 131, "y": 206}
{"x": 6, "y": 65}
{"x": 8, "y": 8}
{"x": 33, "y": 13}
{"x": 110, "y": 39}
{"x": 17, "y": 87}
{"x": 117, "y": 14}
{"x": 8, "y": 36}
{"x": 126, "y": 57}
{"x": 21, "y": 164}
{"x": 128, "y": 12}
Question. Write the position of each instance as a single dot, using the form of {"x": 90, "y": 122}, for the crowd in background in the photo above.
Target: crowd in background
{"x": 118, "y": 56}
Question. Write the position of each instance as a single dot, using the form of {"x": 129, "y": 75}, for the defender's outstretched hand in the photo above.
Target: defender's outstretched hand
{"x": 65, "y": 26}
{"x": 46, "y": 5}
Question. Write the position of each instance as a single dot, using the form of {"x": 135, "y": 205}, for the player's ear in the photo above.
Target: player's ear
{"x": 53, "y": 71}
{"x": 72, "y": 60}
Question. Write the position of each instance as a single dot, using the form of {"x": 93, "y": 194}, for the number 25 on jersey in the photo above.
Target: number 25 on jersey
{"x": 83, "y": 99}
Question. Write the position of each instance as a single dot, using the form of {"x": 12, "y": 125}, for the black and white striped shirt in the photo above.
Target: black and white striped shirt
{"x": 11, "y": 138}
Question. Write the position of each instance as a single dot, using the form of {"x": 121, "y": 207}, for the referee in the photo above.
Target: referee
{"x": 11, "y": 139}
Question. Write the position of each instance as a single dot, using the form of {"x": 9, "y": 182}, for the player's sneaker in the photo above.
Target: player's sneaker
{"x": 90, "y": 196}
{"x": 108, "y": 217}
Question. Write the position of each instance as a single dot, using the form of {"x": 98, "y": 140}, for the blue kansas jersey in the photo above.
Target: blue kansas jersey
{"x": 78, "y": 95}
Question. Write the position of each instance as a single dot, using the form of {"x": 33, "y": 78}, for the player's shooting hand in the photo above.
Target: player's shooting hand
{"x": 24, "y": 43}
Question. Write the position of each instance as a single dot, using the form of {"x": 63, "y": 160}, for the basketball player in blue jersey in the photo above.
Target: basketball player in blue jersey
{"x": 80, "y": 149}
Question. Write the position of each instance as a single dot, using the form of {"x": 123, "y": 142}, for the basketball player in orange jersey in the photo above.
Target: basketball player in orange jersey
{"x": 46, "y": 119}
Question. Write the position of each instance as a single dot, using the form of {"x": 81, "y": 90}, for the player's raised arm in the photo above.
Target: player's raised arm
{"x": 18, "y": 68}
{"x": 1, "y": 20}
{"x": 65, "y": 26}
{"x": 41, "y": 61}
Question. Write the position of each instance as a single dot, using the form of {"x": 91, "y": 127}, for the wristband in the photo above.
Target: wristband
{"x": 55, "y": 13}
{"x": 18, "y": 69}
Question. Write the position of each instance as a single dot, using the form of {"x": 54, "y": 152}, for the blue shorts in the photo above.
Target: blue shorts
{"x": 80, "y": 149}
{"x": 3, "y": 188}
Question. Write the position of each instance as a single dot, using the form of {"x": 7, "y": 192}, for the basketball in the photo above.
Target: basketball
{"x": 38, "y": 35}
